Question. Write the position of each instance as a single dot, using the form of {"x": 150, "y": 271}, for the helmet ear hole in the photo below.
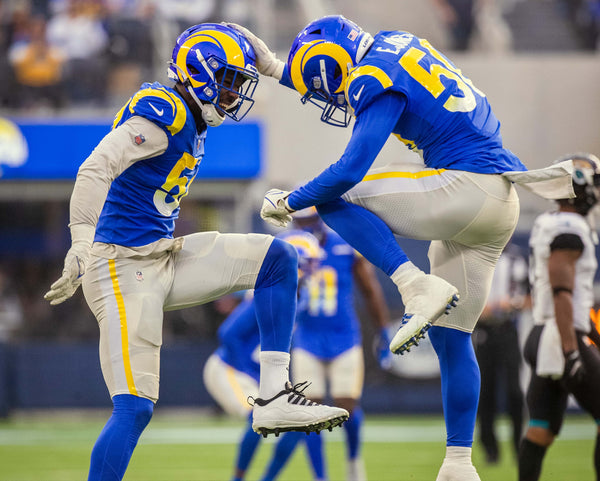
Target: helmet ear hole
{"x": 337, "y": 72}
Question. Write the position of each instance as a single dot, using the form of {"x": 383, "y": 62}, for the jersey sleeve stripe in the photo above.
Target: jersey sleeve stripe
{"x": 177, "y": 107}
{"x": 373, "y": 71}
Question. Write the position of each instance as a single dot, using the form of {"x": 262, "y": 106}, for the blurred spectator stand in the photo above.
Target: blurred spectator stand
{"x": 37, "y": 68}
{"x": 81, "y": 36}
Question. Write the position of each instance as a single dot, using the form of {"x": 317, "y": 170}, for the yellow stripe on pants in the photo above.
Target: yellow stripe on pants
{"x": 404, "y": 175}
{"x": 123, "y": 323}
{"x": 237, "y": 390}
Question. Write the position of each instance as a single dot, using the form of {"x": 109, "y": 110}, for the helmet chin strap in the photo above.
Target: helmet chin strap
{"x": 210, "y": 114}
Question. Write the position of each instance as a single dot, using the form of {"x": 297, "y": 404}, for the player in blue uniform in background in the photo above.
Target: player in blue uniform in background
{"x": 231, "y": 373}
{"x": 122, "y": 214}
{"x": 327, "y": 342}
{"x": 461, "y": 199}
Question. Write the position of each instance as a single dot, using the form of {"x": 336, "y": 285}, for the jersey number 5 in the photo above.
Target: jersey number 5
{"x": 430, "y": 78}
{"x": 176, "y": 185}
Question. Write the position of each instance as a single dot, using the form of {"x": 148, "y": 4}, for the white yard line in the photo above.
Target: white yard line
{"x": 373, "y": 433}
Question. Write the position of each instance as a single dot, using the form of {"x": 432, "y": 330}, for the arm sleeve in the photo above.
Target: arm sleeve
{"x": 567, "y": 241}
{"x": 114, "y": 154}
{"x": 286, "y": 80}
{"x": 371, "y": 131}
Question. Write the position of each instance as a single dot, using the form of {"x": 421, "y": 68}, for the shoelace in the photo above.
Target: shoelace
{"x": 295, "y": 395}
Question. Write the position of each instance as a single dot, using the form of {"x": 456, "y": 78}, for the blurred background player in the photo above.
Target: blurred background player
{"x": 123, "y": 209}
{"x": 496, "y": 341}
{"x": 231, "y": 374}
{"x": 562, "y": 358}
{"x": 397, "y": 83}
{"x": 327, "y": 341}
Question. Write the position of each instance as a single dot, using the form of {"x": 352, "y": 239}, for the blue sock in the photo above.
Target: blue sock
{"x": 353, "y": 430}
{"x": 366, "y": 232}
{"x": 247, "y": 447}
{"x": 283, "y": 450}
{"x": 115, "y": 445}
{"x": 275, "y": 296}
{"x": 314, "y": 447}
{"x": 461, "y": 382}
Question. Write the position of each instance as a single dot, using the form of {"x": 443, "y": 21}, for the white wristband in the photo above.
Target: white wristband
{"x": 82, "y": 233}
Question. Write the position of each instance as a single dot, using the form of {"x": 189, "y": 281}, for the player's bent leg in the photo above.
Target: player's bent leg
{"x": 275, "y": 297}
{"x": 365, "y": 232}
{"x": 282, "y": 407}
{"x": 115, "y": 445}
{"x": 426, "y": 298}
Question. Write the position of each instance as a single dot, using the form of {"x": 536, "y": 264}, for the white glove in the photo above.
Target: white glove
{"x": 275, "y": 209}
{"x": 266, "y": 62}
{"x": 74, "y": 268}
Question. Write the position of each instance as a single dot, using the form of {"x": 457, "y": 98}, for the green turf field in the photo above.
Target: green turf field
{"x": 192, "y": 447}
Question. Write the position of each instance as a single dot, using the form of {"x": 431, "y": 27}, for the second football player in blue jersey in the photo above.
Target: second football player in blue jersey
{"x": 461, "y": 198}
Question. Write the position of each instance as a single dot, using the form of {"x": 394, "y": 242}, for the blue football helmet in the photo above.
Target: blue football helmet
{"x": 319, "y": 61}
{"x": 217, "y": 66}
{"x": 308, "y": 248}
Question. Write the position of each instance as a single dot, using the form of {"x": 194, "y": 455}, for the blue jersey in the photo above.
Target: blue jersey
{"x": 240, "y": 340}
{"x": 404, "y": 87}
{"x": 329, "y": 325}
{"x": 446, "y": 117}
{"x": 143, "y": 201}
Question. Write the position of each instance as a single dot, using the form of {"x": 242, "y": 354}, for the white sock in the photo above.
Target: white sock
{"x": 404, "y": 275}
{"x": 274, "y": 372}
{"x": 458, "y": 453}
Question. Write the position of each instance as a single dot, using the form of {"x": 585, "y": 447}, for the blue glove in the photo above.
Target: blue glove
{"x": 382, "y": 349}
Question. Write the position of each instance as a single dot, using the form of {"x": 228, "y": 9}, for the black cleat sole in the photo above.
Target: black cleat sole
{"x": 311, "y": 428}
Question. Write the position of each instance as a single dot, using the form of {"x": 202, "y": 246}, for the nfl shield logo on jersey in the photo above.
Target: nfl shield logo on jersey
{"x": 139, "y": 139}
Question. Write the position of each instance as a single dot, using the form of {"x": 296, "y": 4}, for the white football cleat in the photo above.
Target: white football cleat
{"x": 290, "y": 410}
{"x": 457, "y": 471}
{"x": 426, "y": 299}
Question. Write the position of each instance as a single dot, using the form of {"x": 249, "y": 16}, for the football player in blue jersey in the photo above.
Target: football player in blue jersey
{"x": 231, "y": 373}
{"x": 122, "y": 213}
{"x": 462, "y": 198}
{"x": 327, "y": 341}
